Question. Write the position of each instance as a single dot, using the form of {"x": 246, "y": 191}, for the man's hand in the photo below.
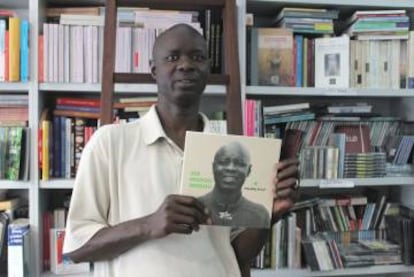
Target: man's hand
{"x": 285, "y": 187}
{"x": 177, "y": 214}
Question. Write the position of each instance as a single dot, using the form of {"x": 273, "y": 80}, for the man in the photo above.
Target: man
{"x": 227, "y": 205}
{"x": 125, "y": 215}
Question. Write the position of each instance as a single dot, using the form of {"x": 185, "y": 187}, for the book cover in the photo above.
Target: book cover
{"x": 357, "y": 139}
{"x": 271, "y": 57}
{"x": 60, "y": 264}
{"x": 332, "y": 62}
{"x": 18, "y": 244}
{"x": 232, "y": 176}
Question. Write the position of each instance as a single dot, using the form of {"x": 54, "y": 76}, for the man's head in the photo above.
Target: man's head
{"x": 231, "y": 166}
{"x": 180, "y": 64}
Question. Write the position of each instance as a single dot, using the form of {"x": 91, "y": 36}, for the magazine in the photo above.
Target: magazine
{"x": 232, "y": 176}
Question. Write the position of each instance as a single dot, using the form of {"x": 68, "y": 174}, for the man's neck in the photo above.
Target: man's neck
{"x": 226, "y": 198}
{"x": 177, "y": 121}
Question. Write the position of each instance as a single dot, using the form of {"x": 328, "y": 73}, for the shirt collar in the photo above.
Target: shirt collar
{"x": 153, "y": 129}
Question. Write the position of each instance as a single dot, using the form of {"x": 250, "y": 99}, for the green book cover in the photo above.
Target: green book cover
{"x": 14, "y": 153}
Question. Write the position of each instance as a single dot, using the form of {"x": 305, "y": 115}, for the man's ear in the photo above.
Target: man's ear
{"x": 249, "y": 170}
{"x": 152, "y": 67}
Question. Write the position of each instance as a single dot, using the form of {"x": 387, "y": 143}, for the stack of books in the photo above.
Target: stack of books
{"x": 379, "y": 25}
{"x": 307, "y": 21}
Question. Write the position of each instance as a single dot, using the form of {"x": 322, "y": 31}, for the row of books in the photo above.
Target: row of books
{"x": 362, "y": 228}
{"x": 14, "y": 47}
{"x": 361, "y": 24}
{"x": 14, "y": 110}
{"x": 379, "y": 24}
{"x": 67, "y": 128}
{"x": 71, "y": 50}
{"x": 318, "y": 125}
{"x": 279, "y": 57}
{"x": 307, "y": 21}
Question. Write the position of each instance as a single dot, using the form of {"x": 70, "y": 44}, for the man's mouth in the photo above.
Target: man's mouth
{"x": 187, "y": 81}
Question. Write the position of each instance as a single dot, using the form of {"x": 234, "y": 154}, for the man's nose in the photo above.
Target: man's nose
{"x": 185, "y": 63}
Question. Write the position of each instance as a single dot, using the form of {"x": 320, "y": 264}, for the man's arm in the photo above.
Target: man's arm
{"x": 249, "y": 243}
{"x": 177, "y": 214}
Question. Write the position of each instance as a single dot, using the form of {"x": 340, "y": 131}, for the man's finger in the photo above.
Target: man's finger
{"x": 190, "y": 202}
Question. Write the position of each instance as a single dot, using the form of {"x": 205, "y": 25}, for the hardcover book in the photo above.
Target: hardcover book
{"x": 232, "y": 176}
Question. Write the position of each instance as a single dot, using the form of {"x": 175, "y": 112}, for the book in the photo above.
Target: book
{"x": 9, "y": 204}
{"x": 332, "y": 62}
{"x": 60, "y": 264}
{"x": 232, "y": 176}
{"x": 271, "y": 57}
{"x": 357, "y": 138}
{"x": 18, "y": 248}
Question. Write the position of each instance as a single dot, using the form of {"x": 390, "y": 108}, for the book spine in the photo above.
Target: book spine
{"x": 24, "y": 51}
{"x": 14, "y": 49}
{"x": 2, "y": 49}
{"x": 78, "y": 102}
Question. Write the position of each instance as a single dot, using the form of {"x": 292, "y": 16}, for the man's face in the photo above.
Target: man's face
{"x": 231, "y": 166}
{"x": 180, "y": 66}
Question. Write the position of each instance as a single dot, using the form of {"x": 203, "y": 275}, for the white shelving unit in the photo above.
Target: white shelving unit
{"x": 6, "y": 184}
{"x": 38, "y": 92}
{"x": 124, "y": 88}
{"x": 365, "y": 271}
{"x": 399, "y": 102}
{"x": 322, "y": 92}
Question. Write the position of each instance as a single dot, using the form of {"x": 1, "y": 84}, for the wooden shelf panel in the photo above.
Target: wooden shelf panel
{"x": 326, "y": 92}
{"x": 363, "y": 271}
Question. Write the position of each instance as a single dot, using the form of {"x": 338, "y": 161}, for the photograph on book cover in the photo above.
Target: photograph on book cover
{"x": 232, "y": 176}
{"x": 332, "y": 62}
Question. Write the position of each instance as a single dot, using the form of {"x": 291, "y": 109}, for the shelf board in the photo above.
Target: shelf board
{"x": 120, "y": 88}
{"x": 305, "y": 183}
{"x": 57, "y": 184}
{"x": 7, "y": 184}
{"x": 365, "y": 182}
{"x": 13, "y": 87}
{"x": 327, "y": 92}
{"x": 50, "y": 274}
{"x": 362, "y": 271}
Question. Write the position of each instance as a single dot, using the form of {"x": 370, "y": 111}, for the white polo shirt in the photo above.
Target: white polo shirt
{"x": 125, "y": 172}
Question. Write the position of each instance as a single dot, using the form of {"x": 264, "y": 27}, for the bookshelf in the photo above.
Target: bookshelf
{"x": 36, "y": 190}
{"x": 396, "y": 102}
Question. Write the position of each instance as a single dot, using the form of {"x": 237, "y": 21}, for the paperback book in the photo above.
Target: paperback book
{"x": 232, "y": 176}
{"x": 332, "y": 62}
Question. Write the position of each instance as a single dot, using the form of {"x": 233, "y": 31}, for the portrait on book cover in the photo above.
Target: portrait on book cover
{"x": 332, "y": 64}
{"x": 275, "y": 59}
{"x": 231, "y": 176}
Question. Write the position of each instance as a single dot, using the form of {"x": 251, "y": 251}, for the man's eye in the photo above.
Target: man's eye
{"x": 172, "y": 58}
{"x": 198, "y": 58}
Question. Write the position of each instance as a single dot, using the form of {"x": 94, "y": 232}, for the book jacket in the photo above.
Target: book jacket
{"x": 232, "y": 176}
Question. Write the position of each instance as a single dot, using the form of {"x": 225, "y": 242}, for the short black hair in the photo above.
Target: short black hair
{"x": 191, "y": 30}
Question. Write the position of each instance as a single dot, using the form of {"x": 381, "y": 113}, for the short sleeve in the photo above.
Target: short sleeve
{"x": 235, "y": 231}
{"x": 90, "y": 197}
